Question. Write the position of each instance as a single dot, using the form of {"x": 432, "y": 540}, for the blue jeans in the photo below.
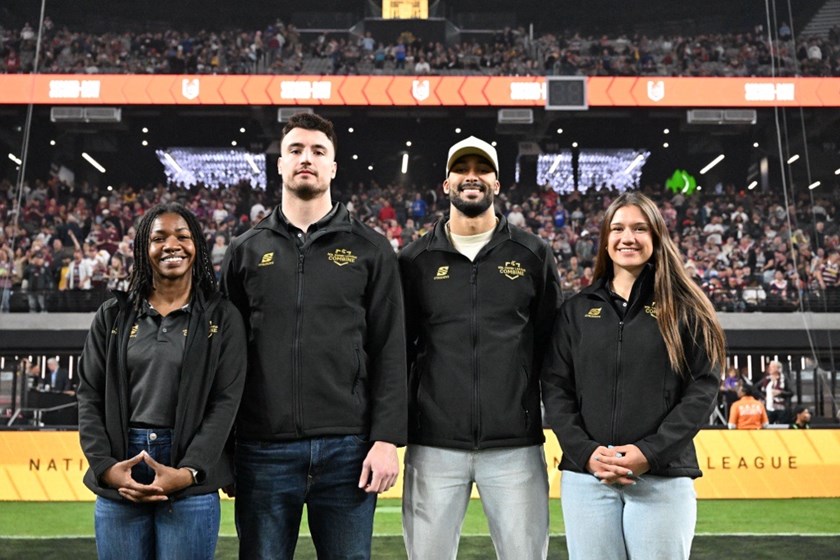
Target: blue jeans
{"x": 186, "y": 528}
{"x": 653, "y": 519}
{"x": 512, "y": 483}
{"x": 275, "y": 479}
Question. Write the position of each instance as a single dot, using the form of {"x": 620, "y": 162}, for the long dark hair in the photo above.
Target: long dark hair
{"x": 679, "y": 301}
{"x": 140, "y": 282}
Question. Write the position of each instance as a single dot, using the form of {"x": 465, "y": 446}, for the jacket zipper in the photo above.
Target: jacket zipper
{"x": 474, "y": 332}
{"x": 296, "y": 357}
{"x": 616, "y": 380}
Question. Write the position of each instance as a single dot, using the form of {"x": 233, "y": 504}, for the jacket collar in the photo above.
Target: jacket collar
{"x": 338, "y": 219}
{"x": 438, "y": 240}
{"x": 642, "y": 287}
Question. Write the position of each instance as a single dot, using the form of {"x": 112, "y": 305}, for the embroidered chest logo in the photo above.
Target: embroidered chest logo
{"x": 342, "y": 257}
{"x": 512, "y": 270}
{"x": 651, "y": 309}
{"x": 267, "y": 259}
{"x": 442, "y": 273}
{"x": 213, "y": 329}
{"x": 133, "y": 332}
{"x": 594, "y": 313}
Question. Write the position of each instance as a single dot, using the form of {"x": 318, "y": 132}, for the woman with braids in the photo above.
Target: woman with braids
{"x": 161, "y": 376}
{"x": 632, "y": 376}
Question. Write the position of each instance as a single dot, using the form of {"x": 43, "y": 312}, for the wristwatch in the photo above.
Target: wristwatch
{"x": 194, "y": 473}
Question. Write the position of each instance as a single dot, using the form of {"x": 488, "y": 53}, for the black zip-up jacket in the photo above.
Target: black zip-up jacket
{"x": 326, "y": 335}
{"x": 608, "y": 381}
{"x": 210, "y": 387}
{"x": 477, "y": 332}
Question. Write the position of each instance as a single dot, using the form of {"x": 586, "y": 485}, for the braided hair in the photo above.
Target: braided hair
{"x": 140, "y": 281}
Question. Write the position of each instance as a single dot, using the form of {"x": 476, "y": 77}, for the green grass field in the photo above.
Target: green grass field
{"x": 731, "y": 529}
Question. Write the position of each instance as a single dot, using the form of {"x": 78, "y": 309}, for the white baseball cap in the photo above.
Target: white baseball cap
{"x": 472, "y": 146}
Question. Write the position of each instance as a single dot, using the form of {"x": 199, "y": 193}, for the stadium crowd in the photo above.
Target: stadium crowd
{"x": 281, "y": 48}
{"x": 745, "y": 248}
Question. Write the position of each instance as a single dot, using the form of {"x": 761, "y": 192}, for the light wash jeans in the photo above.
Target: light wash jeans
{"x": 653, "y": 519}
{"x": 181, "y": 529}
{"x": 512, "y": 483}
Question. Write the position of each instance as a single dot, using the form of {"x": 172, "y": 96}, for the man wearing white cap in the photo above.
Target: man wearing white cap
{"x": 480, "y": 300}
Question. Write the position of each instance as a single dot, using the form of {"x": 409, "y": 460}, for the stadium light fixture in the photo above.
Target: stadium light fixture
{"x": 711, "y": 164}
{"x": 574, "y": 144}
{"x": 250, "y": 159}
{"x": 837, "y": 171}
{"x": 242, "y": 129}
{"x": 554, "y": 165}
{"x": 93, "y": 162}
{"x": 793, "y": 158}
{"x": 814, "y": 185}
{"x": 404, "y": 166}
{"x": 370, "y": 168}
{"x": 350, "y": 130}
{"x": 755, "y": 144}
{"x": 145, "y": 142}
{"x": 493, "y": 143}
{"x": 458, "y": 130}
{"x": 559, "y": 131}
{"x": 633, "y": 164}
{"x": 52, "y": 142}
{"x": 665, "y": 144}
{"x": 355, "y": 156}
{"x": 233, "y": 142}
{"x": 145, "y": 130}
{"x": 752, "y": 185}
{"x": 15, "y": 159}
{"x": 666, "y": 131}
{"x": 172, "y": 161}
{"x": 408, "y": 143}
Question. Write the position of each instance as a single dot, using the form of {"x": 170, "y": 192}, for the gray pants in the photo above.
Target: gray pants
{"x": 512, "y": 483}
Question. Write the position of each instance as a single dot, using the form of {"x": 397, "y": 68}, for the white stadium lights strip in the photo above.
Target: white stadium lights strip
{"x": 752, "y": 185}
{"x": 15, "y": 159}
{"x": 712, "y": 163}
{"x": 404, "y": 167}
{"x": 814, "y": 185}
{"x": 93, "y": 162}
{"x": 793, "y": 158}
{"x": 837, "y": 171}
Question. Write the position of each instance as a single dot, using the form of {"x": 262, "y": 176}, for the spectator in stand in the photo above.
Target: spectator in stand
{"x": 828, "y": 277}
{"x": 38, "y": 282}
{"x": 6, "y": 270}
{"x": 729, "y": 388}
{"x": 801, "y": 418}
{"x": 747, "y": 413}
{"x": 79, "y": 272}
{"x": 776, "y": 389}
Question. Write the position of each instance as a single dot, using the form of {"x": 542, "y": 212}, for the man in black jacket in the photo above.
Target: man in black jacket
{"x": 480, "y": 302}
{"x": 325, "y": 394}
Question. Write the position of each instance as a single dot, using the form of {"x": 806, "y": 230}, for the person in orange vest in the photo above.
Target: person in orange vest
{"x": 747, "y": 413}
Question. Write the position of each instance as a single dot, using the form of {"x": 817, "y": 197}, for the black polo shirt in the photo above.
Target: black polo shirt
{"x": 155, "y": 354}
{"x": 300, "y": 235}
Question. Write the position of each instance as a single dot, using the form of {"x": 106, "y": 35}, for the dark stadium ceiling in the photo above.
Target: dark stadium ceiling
{"x": 380, "y": 134}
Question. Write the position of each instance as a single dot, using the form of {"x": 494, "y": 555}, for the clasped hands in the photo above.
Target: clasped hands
{"x": 620, "y": 465}
{"x": 167, "y": 480}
